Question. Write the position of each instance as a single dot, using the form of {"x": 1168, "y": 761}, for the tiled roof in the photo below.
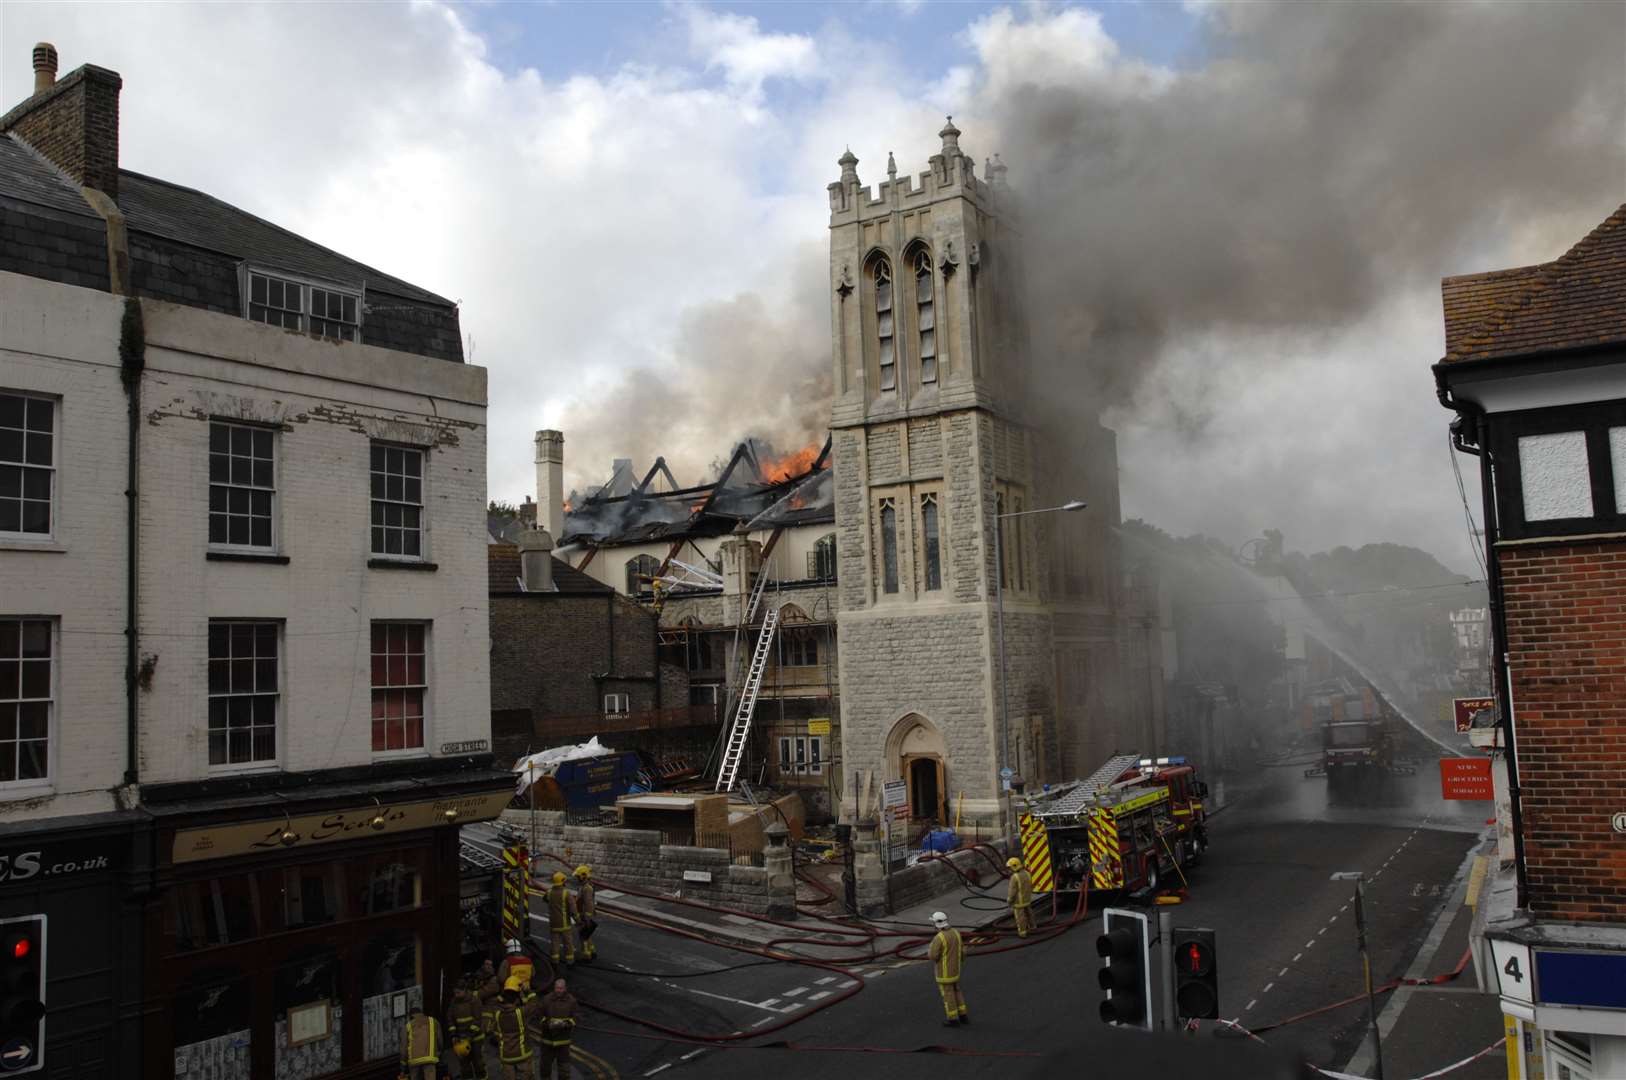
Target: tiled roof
{"x": 503, "y": 573}
{"x": 27, "y": 177}
{"x": 191, "y": 217}
{"x": 1578, "y": 299}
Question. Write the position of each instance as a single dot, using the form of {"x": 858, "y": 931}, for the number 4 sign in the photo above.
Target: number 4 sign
{"x": 1513, "y": 970}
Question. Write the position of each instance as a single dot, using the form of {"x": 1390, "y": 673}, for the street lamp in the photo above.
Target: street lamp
{"x": 1359, "y": 879}
{"x": 999, "y": 608}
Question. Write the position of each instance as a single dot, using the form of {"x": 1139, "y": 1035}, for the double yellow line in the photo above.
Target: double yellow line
{"x": 595, "y": 1065}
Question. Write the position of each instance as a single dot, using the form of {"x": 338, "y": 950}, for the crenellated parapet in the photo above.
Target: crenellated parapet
{"x": 952, "y": 172}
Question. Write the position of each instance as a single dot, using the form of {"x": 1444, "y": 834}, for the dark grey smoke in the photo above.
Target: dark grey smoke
{"x": 1314, "y": 160}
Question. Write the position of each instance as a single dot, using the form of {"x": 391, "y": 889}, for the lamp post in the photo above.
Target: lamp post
{"x": 999, "y": 610}
{"x": 1366, "y": 963}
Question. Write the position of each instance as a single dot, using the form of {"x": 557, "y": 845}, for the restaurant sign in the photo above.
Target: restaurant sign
{"x": 276, "y": 834}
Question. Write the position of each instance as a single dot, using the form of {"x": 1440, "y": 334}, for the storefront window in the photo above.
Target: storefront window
{"x": 308, "y": 1014}
{"x": 219, "y": 911}
{"x": 391, "y": 883}
{"x": 310, "y": 894}
{"x": 211, "y": 1021}
{"x": 391, "y": 987}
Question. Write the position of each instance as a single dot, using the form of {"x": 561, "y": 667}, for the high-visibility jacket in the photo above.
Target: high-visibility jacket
{"x": 586, "y": 903}
{"x": 558, "y": 1018}
{"x": 420, "y": 1042}
{"x": 463, "y": 1019}
{"x": 512, "y": 1029}
{"x": 559, "y": 904}
{"x": 1021, "y": 893}
{"x": 947, "y": 952}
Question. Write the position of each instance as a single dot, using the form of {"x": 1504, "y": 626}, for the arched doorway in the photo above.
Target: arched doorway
{"x": 917, "y": 754}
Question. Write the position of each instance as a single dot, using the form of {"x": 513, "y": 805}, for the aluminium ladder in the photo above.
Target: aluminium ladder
{"x": 739, "y": 733}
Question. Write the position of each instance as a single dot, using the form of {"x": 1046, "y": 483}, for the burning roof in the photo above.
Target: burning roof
{"x": 790, "y": 490}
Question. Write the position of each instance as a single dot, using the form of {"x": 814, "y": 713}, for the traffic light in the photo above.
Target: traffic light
{"x": 1196, "y": 975}
{"x": 1124, "y": 974}
{"x": 22, "y": 994}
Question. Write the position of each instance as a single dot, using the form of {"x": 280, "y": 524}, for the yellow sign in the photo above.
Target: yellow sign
{"x": 818, "y": 727}
{"x": 1036, "y": 853}
{"x": 277, "y": 834}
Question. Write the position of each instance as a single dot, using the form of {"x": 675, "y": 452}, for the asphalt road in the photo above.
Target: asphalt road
{"x": 1286, "y": 945}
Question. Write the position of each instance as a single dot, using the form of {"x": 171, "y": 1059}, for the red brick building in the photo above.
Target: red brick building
{"x": 1535, "y": 368}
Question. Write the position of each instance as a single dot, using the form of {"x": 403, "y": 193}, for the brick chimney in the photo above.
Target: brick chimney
{"x": 73, "y": 122}
{"x": 550, "y": 481}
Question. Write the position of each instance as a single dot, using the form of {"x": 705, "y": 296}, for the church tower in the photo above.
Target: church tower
{"x": 929, "y": 357}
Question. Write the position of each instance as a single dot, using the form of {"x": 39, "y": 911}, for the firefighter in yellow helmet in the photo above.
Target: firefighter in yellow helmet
{"x": 511, "y": 1029}
{"x": 561, "y": 908}
{"x": 558, "y": 1027}
{"x": 1021, "y": 897}
{"x": 586, "y": 909}
{"x": 421, "y": 1044}
{"x": 947, "y": 955}
{"x": 517, "y": 965}
{"x": 467, "y": 1029}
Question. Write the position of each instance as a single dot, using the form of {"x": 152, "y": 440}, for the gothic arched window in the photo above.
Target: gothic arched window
{"x": 885, "y": 332}
{"x": 925, "y": 319}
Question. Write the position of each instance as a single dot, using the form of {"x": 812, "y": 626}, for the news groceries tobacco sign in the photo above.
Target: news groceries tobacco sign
{"x": 246, "y": 838}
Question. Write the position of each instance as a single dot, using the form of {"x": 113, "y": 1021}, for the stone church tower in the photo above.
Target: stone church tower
{"x": 931, "y": 370}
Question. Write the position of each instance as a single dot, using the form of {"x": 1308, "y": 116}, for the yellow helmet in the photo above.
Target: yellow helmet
{"x": 514, "y": 983}
{"x": 558, "y": 877}
{"x": 584, "y": 872}
{"x": 462, "y": 1047}
{"x": 1014, "y": 864}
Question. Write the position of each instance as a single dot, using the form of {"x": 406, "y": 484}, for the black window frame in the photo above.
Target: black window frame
{"x": 1594, "y": 419}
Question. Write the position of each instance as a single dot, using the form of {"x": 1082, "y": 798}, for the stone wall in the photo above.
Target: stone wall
{"x": 935, "y": 877}
{"x": 637, "y": 858}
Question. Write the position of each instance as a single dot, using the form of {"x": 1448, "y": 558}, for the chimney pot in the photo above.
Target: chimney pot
{"x": 536, "y": 560}
{"x": 44, "y": 66}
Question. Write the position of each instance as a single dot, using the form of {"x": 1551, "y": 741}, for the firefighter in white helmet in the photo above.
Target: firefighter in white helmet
{"x": 1020, "y": 897}
{"x": 947, "y": 955}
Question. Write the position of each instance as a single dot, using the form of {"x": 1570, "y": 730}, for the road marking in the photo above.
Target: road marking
{"x": 764, "y": 1020}
{"x": 826, "y": 979}
{"x": 1310, "y": 944}
{"x": 1296, "y": 957}
{"x": 1268, "y": 985}
{"x": 735, "y": 1000}
{"x": 658, "y": 1069}
{"x": 1321, "y": 931}
{"x": 849, "y": 982}
{"x": 1332, "y": 920}
{"x": 1246, "y": 1008}
{"x": 1343, "y": 909}
{"x": 1282, "y": 972}
{"x": 798, "y": 990}
{"x": 692, "y": 1054}
{"x": 822, "y": 994}
{"x": 768, "y": 1004}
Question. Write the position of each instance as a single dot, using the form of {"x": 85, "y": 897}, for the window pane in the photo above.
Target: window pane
{"x": 39, "y": 449}
{"x": 11, "y": 445}
{"x": 1617, "y": 461}
{"x": 12, "y": 410}
{"x": 889, "y": 549}
{"x": 928, "y": 524}
{"x": 1554, "y": 477}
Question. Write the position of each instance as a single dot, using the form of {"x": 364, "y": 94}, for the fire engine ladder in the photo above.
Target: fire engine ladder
{"x": 1115, "y": 767}
{"x": 734, "y": 752}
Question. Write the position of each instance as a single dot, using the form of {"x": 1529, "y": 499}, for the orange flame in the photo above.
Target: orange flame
{"x": 793, "y": 464}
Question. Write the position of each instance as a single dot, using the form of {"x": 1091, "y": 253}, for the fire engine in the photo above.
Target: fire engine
{"x": 1127, "y": 826}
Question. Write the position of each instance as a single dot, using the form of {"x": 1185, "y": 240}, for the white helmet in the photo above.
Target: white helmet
{"x": 940, "y": 920}
{"x": 514, "y": 946}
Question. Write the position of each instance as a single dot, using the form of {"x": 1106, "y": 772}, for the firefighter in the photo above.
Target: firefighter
{"x": 560, "y": 909}
{"x": 558, "y": 1025}
{"x": 511, "y": 1028}
{"x": 1021, "y": 897}
{"x": 488, "y": 989}
{"x": 586, "y": 908}
{"x": 466, "y": 1026}
{"x": 420, "y": 1046}
{"x": 517, "y": 965}
{"x": 947, "y": 954}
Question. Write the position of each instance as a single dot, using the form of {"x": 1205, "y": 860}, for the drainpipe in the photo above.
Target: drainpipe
{"x": 132, "y": 360}
{"x": 1470, "y": 415}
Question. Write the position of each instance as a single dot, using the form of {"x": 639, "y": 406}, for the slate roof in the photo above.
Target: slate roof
{"x": 27, "y": 177}
{"x": 1577, "y": 300}
{"x": 502, "y": 574}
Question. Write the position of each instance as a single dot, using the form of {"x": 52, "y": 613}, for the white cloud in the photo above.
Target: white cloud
{"x": 746, "y": 55}
{"x": 1064, "y": 47}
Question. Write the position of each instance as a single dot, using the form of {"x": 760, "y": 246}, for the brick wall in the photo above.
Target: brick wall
{"x": 546, "y": 649}
{"x": 1566, "y": 624}
{"x": 75, "y": 124}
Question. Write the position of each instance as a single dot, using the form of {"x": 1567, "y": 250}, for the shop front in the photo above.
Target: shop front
{"x": 293, "y": 946}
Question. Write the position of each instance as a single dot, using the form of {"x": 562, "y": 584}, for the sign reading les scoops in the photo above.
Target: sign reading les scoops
{"x": 1466, "y": 778}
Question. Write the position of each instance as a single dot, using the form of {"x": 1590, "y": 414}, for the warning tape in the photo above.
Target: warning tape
{"x": 1451, "y": 1068}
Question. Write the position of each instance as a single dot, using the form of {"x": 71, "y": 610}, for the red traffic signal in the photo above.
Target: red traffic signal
{"x": 1195, "y": 958}
{"x": 20, "y": 946}
{"x": 1196, "y": 976}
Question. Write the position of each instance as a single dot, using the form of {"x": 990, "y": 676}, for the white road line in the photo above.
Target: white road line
{"x": 1268, "y": 985}
{"x": 849, "y": 983}
{"x": 792, "y": 1007}
{"x": 1296, "y": 957}
{"x": 759, "y": 1023}
{"x": 1333, "y": 919}
{"x": 798, "y": 990}
{"x": 738, "y": 1001}
{"x": 1310, "y": 944}
{"x": 692, "y": 1054}
{"x": 768, "y": 1004}
{"x": 1343, "y": 909}
{"x": 1247, "y": 1008}
{"x": 826, "y": 979}
{"x": 1321, "y": 931}
{"x": 820, "y": 995}
{"x": 1282, "y": 972}
{"x": 658, "y": 1069}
